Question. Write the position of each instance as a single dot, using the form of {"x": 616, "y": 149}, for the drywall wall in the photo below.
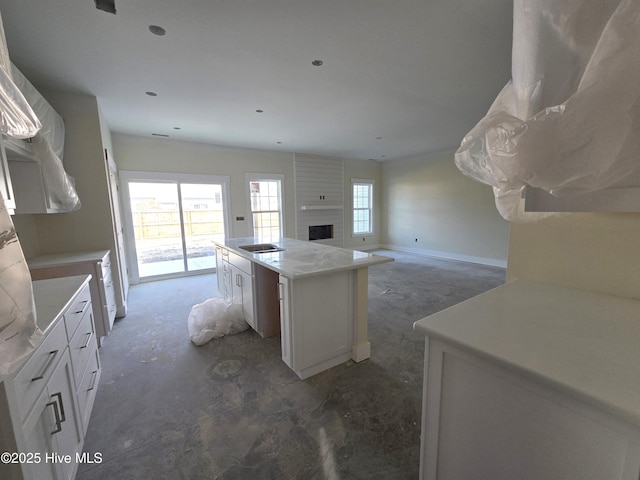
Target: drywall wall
{"x": 430, "y": 207}
{"x": 88, "y": 228}
{"x": 590, "y": 251}
{"x": 363, "y": 170}
{"x": 172, "y": 156}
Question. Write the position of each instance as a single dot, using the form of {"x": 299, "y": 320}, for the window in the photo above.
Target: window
{"x": 362, "y": 207}
{"x": 265, "y": 199}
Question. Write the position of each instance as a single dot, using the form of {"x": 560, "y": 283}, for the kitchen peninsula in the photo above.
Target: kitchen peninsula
{"x": 318, "y": 293}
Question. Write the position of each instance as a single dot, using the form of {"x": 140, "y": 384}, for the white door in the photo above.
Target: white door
{"x": 114, "y": 195}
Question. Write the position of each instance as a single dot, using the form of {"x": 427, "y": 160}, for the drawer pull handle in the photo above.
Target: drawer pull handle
{"x": 86, "y": 344}
{"x": 58, "y": 411}
{"x": 93, "y": 383}
{"x": 62, "y": 415}
{"x": 84, "y": 306}
{"x": 52, "y": 356}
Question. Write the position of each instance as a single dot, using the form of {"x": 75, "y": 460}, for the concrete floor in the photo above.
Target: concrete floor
{"x": 231, "y": 409}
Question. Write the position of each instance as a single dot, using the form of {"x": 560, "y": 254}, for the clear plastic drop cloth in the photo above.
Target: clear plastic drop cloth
{"x": 48, "y": 146}
{"x": 19, "y": 334}
{"x": 215, "y": 318}
{"x": 568, "y": 121}
{"x": 17, "y": 118}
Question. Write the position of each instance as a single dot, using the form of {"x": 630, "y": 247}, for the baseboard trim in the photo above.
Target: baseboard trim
{"x": 494, "y": 262}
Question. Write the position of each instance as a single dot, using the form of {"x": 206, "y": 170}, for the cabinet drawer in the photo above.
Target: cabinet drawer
{"x": 81, "y": 346}
{"x": 34, "y": 375}
{"x": 241, "y": 263}
{"x": 73, "y": 316}
{"x": 88, "y": 386}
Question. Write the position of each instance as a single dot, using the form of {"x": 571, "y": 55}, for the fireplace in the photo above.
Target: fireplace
{"x": 320, "y": 232}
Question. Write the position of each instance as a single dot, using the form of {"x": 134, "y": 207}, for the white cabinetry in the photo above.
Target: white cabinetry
{"x": 316, "y": 333}
{"x": 240, "y": 281}
{"x": 6, "y": 187}
{"x": 31, "y": 192}
{"x": 45, "y": 404}
{"x": 532, "y": 381}
{"x": 622, "y": 197}
{"x": 98, "y": 265}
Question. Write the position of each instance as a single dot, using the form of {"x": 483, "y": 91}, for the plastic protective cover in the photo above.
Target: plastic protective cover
{"x": 19, "y": 333}
{"x": 48, "y": 146}
{"x": 215, "y": 318}
{"x": 568, "y": 121}
{"x": 17, "y": 119}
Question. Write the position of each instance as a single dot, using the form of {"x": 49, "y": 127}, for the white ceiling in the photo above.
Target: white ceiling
{"x": 417, "y": 73}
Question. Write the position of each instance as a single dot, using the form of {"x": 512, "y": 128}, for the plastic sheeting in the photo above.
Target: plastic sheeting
{"x": 17, "y": 119}
{"x": 19, "y": 333}
{"x": 568, "y": 121}
{"x": 215, "y": 318}
{"x": 48, "y": 146}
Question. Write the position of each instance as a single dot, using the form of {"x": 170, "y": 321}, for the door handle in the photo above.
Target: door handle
{"x": 238, "y": 280}
{"x": 280, "y": 291}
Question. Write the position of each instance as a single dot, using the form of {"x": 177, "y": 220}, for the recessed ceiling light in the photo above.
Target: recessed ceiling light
{"x": 151, "y": 94}
{"x": 317, "y": 63}
{"x": 177, "y": 128}
{"x": 157, "y": 30}
{"x": 260, "y": 111}
{"x": 278, "y": 143}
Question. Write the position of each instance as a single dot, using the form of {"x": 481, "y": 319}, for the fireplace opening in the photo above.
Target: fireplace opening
{"x": 320, "y": 232}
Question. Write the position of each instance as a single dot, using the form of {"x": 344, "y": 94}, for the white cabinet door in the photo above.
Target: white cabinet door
{"x": 284, "y": 294}
{"x": 61, "y": 390}
{"x": 6, "y": 188}
{"x": 243, "y": 294}
{"x": 39, "y": 438}
{"x": 219, "y": 273}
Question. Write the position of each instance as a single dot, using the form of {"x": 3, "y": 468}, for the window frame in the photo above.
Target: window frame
{"x": 257, "y": 177}
{"x": 371, "y": 184}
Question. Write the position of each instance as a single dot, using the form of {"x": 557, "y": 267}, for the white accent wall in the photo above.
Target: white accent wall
{"x": 319, "y": 196}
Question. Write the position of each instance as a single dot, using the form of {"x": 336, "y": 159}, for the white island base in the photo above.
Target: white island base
{"x": 531, "y": 381}
{"x": 323, "y": 296}
{"x": 330, "y": 325}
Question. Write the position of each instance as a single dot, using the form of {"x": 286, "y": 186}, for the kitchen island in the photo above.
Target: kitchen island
{"x": 317, "y": 294}
{"x": 532, "y": 381}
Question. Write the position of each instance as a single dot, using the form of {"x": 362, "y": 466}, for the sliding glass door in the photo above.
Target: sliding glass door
{"x": 173, "y": 220}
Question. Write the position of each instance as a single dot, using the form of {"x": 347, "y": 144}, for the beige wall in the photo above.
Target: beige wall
{"x": 590, "y": 251}
{"x": 425, "y": 197}
{"x": 171, "y": 156}
{"x": 88, "y": 228}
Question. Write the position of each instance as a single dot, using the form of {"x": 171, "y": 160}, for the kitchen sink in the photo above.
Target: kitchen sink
{"x": 261, "y": 248}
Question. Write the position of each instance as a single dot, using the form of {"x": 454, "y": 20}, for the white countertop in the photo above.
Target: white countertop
{"x": 59, "y": 259}
{"x": 303, "y": 259}
{"x": 584, "y": 343}
{"x": 52, "y": 297}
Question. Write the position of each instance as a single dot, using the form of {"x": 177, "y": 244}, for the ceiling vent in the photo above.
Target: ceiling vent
{"x": 106, "y": 5}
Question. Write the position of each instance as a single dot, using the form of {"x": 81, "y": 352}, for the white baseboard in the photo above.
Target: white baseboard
{"x": 494, "y": 262}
